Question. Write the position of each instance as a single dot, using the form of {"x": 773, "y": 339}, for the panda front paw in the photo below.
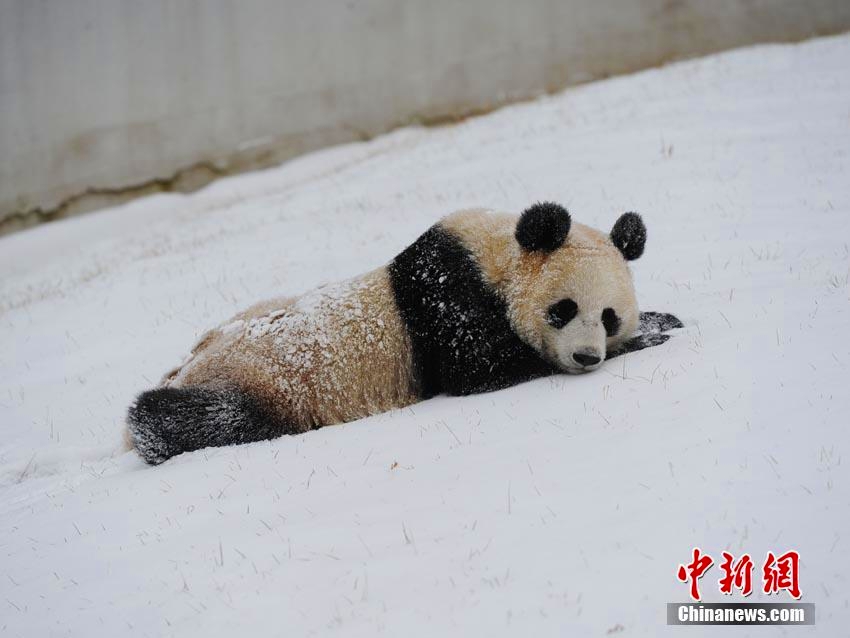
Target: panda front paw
{"x": 658, "y": 322}
{"x": 651, "y": 332}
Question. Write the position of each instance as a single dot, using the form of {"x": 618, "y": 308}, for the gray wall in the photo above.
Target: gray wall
{"x": 99, "y": 96}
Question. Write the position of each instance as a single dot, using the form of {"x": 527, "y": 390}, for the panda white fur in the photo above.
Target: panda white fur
{"x": 480, "y": 301}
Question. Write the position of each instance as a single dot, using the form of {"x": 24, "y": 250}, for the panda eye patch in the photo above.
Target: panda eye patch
{"x": 561, "y": 313}
{"x": 611, "y": 322}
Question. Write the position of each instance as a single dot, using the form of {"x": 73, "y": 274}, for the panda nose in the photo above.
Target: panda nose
{"x": 586, "y": 360}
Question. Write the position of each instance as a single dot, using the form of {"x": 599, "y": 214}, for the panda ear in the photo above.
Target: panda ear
{"x": 629, "y": 235}
{"x": 543, "y": 226}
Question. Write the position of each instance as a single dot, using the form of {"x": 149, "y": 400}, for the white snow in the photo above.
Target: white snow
{"x": 560, "y": 507}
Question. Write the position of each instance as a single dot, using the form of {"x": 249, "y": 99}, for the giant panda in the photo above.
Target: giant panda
{"x": 481, "y": 301}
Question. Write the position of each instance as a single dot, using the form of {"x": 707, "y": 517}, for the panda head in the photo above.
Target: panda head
{"x": 570, "y": 292}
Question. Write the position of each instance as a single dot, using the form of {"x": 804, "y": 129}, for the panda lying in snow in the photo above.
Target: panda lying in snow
{"x": 479, "y": 302}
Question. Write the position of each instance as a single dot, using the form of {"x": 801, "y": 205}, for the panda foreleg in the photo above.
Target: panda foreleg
{"x": 656, "y": 322}
{"x": 651, "y": 332}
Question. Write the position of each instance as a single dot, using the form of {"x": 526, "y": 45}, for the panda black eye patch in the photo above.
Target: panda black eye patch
{"x": 561, "y": 313}
{"x": 611, "y": 322}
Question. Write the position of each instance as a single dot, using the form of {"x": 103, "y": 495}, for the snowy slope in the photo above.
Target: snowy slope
{"x": 560, "y": 507}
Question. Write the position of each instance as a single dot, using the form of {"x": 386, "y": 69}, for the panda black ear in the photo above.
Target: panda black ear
{"x": 543, "y": 226}
{"x": 629, "y": 235}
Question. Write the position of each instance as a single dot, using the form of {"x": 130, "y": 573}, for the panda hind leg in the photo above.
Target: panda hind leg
{"x": 165, "y": 422}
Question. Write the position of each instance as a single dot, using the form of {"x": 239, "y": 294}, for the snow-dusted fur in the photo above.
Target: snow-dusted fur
{"x": 167, "y": 421}
{"x": 466, "y": 308}
{"x": 335, "y": 354}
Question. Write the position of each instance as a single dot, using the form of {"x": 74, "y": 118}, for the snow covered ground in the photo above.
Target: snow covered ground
{"x": 558, "y": 508}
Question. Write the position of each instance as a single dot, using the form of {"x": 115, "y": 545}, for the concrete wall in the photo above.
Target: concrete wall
{"x": 104, "y": 98}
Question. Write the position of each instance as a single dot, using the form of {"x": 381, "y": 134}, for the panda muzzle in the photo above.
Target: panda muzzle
{"x": 587, "y": 359}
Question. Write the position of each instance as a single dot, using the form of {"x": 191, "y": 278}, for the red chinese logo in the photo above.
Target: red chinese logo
{"x": 738, "y": 575}
{"x": 782, "y": 573}
{"x": 779, "y": 573}
{"x": 695, "y": 570}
